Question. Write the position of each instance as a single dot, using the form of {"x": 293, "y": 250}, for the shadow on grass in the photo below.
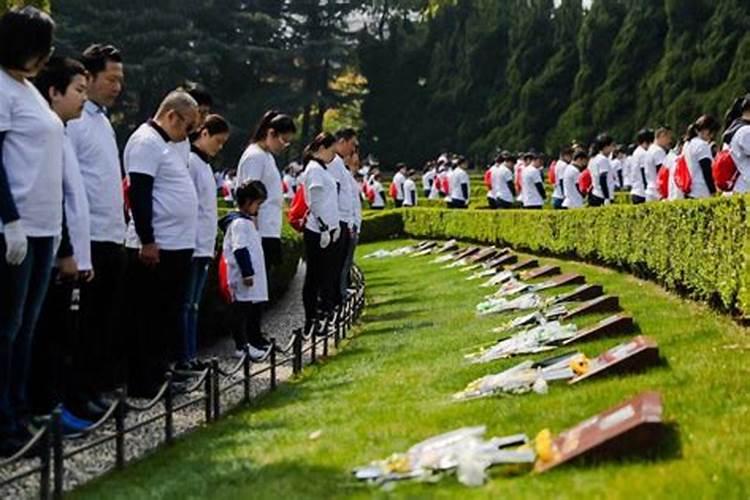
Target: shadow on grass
{"x": 400, "y": 300}
{"x": 387, "y": 330}
{"x": 391, "y": 316}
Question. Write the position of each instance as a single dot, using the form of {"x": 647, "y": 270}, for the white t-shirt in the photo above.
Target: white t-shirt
{"x": 356, "y": 202}
{"x": 428, "y": 179}
{"x": 573, "y": 197}
{"x": 501, "y": 176}
{"x": 337, "y": 168}
{"x": 637, "y": 174}
{"x": 241, "y": 233}
{"x": 33, "y": 156}
{"x": 599, "y": 166}
{"x": 654, "y": 157}
{"x": 175, "y": 202}
{"x": 695, "y": 151}
{"x": 674, "y": 192}
{"x": 740, "y": 150}
{"x": 457, "y": 178}
{"x": 410, "y": 193}
{"x": 560, "y": 168}
{"x": 530, "y": 196}
{"x": 95, "y": 145}
{"x": 322, "y": 197}
{"x": 205, "y": 188}
{"x": 435, "y": 191}
{"x": 76, "y": 208}
{"x": 290, "y": 183}
{"x": 626, "y": 172}
{"x": 378, "y": 200}
{"x": 399, "y": 180}
{"x": 259, "y": 165}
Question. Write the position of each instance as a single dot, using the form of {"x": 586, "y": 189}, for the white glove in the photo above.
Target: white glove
{"x": 325, "y": 239}
{"x": 336, "y": 234}
{"x": 15, "y": 242}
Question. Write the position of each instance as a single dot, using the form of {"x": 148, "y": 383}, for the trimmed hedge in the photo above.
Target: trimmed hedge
{"x": 700, "y": 248}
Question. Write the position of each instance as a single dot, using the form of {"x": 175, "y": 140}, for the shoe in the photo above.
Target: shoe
{"x": 101, "y": 402}
{"x": 239, "y": 353}
{"x": 86, "y": 410}
{"x": 257, "y": 353}
{"x": 183, "y": 366}
{"x": 72, "y": 424}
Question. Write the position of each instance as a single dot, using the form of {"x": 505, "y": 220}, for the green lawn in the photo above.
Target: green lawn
{"x": 391, "y": 387}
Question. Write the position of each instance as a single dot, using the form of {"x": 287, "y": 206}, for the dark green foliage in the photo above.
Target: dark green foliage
{"x": 526, "y": 73}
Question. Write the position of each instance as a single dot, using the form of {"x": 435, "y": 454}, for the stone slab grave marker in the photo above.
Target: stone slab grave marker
{"x": 605, "y": 303}
{"x": 540, "y": 272}
{"x": 584, "y": 292}
{"x": 567, "y": 279}
{"x": 634, "y": 426}
{"x": 613, "y": 325}
{"x": 448, "y": 246}
{"x": 426, "y": 245}
{"x": 524, "y": 264}
{"x": 502, "y": 261}
{"x": 635, "y": 355}
{"x": 466, "y": 252}
{"x": 483, "y": 255}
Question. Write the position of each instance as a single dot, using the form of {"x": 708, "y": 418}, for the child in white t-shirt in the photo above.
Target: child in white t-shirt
{"x": 246, "y": 270}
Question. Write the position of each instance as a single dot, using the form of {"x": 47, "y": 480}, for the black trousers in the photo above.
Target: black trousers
{"x": 246, "y": 321}
{"x": 497, "y": 203}
{"x": 102, "y": 339}
{"x": 637, "y": 200}
{"x": 154, "y": 298}
{"x": 399, "y": 203}
{"x": 342, "y": 251}
{"x": 457, "y": 204}
{"x": 595, "y": 201}
{"x": 321, "y": 279}
{"x": 54, "y": 353}
{"x": 272, "y": 252}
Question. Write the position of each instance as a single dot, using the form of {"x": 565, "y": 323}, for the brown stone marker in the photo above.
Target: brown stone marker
{"x": 448, "y": 246}
{"x": 483, "y": 255}
{"x": 524, "y": 264}
{"x": 426, "y": 245}
{"x": 636, "y": 355}
{"x": 604, "y": 303}
{"x": 503, "y": 261}
{"x": 568, "y": 279}
{"x": 466, "y": 252}
{"x": 540, "y": 272}
{"x": 614, "y": 325}
{"x": 584, "y": 292}
{"x": 633, "y": 426}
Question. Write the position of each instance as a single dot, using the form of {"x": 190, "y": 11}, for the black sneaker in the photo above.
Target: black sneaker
{"x": 198, "y": 365}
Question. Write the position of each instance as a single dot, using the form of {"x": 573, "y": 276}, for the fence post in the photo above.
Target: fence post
{"x": 273, "y": 364}
{"x": 168, "y": 411}
{"x": 208, "y": 392}
{"x": 45, "y": 460}
{"x": 216, "y": 388}
{"x": 326, "y": 330}
{"x": 246, "y": 377}
{"x": 297, "y": 350}
{"x": 120, "y": 430}
{"x": 57, "y": 450}
{"x": 314, "y": 343}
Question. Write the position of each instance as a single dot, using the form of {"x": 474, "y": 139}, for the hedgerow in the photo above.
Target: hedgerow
{"x": 700, "y": 248}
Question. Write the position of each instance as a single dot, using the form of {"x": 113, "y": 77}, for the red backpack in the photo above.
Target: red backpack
{"x": 682, "y": 176}
{"x": 488, "y": 179}
{"x": 662, "y": 182}
{"x": 298, "y": 210}
{"x": 552, "y": 174}
{"x": 445, "y": 185}
{"x": 724, "y": 171}
{"x": 393, "y": 190}
{"x": 224, "y": 292}
{"x": 585, "y": 182}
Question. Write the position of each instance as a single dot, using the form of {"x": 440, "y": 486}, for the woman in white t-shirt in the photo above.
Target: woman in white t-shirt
{"x": 273, "y": 135}
{"x": 410, "y": 190}
{"x": 737, "y": 139}
{"x": 697, "y": 153}
{"x": 600, "y": 168}
{"x": 376, "y": 194}
{"x": 208, "y": 142}
{"x": 322, "y": 231}
{"x": 31, "y": 206}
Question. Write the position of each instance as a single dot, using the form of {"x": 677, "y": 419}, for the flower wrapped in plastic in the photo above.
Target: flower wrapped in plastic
{"x": 522, "y": 303}
{"x": 498, "y": 279}
{"x": 535, "y": 339}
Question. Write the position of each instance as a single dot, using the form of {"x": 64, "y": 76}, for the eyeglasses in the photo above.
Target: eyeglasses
{"x": 190, "y": 126}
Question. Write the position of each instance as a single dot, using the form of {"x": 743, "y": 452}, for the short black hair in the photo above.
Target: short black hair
{"x": 250, "y": 191}
{"x": 273, "y": 120}
{"x": 580, "y": 154}
{"x": 346, "y": 134}
{"x": 25, "y": 35}
{"x": 57, "y": 74}
{"x": 214, "y": 124}
{"x": 96, "y": 57}
{"x": 199, "y": 93}
{"x": 645, "y": 135}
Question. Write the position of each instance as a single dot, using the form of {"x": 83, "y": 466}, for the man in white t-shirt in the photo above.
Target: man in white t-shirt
{"x": 161, "y": 237}
{"x": 558, "y": 194}
{"x": 398, "y": 182}
{"x": 346, "y": 144}
{"x": 573, "y": 196}
{"x": 503, "y": 187}
{"x": 410, "y": 189}
{"x": 428, "y": 179}
{"x": 458, "y": 182}
{"x": 654, "y": 161}
{"x": 638, "y": 180}
{"x": 532, "y": 185}
{"x": 101, "y": 341}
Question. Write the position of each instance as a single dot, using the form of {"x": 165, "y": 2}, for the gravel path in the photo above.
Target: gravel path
{"x": 279, "y": 322}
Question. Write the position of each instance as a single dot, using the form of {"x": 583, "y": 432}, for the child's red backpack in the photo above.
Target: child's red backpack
{"x": 662, "y": 182}
{"x": 552, "y": 173}
{"x": 488, "y": 179}
{"x": 724, "y": 171}
{"x": 683, "y": 179}
{"x": 393, "y": 190}
{"x": 585, "y": 182}
{"x": 369, "y": 194}
{"x": 298, "y": 210}
{"x": 224, "y": 292}
{"x": 518, "y": 176}
{"x": 445, "y": 185}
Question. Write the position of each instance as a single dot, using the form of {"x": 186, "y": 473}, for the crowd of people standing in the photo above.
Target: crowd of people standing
{"x": 104, "y": 256}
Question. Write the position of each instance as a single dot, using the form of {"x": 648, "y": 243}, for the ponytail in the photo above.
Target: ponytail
{"x": 704, "y": 122}
{"x": 739, "y": 106}
{"x": 273, "y": 120}
{"x": 322, "y": 140}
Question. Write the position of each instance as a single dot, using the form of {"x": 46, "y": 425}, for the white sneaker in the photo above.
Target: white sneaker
{"x": 239, "y": 353}
{"x": 257, "y": 354}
